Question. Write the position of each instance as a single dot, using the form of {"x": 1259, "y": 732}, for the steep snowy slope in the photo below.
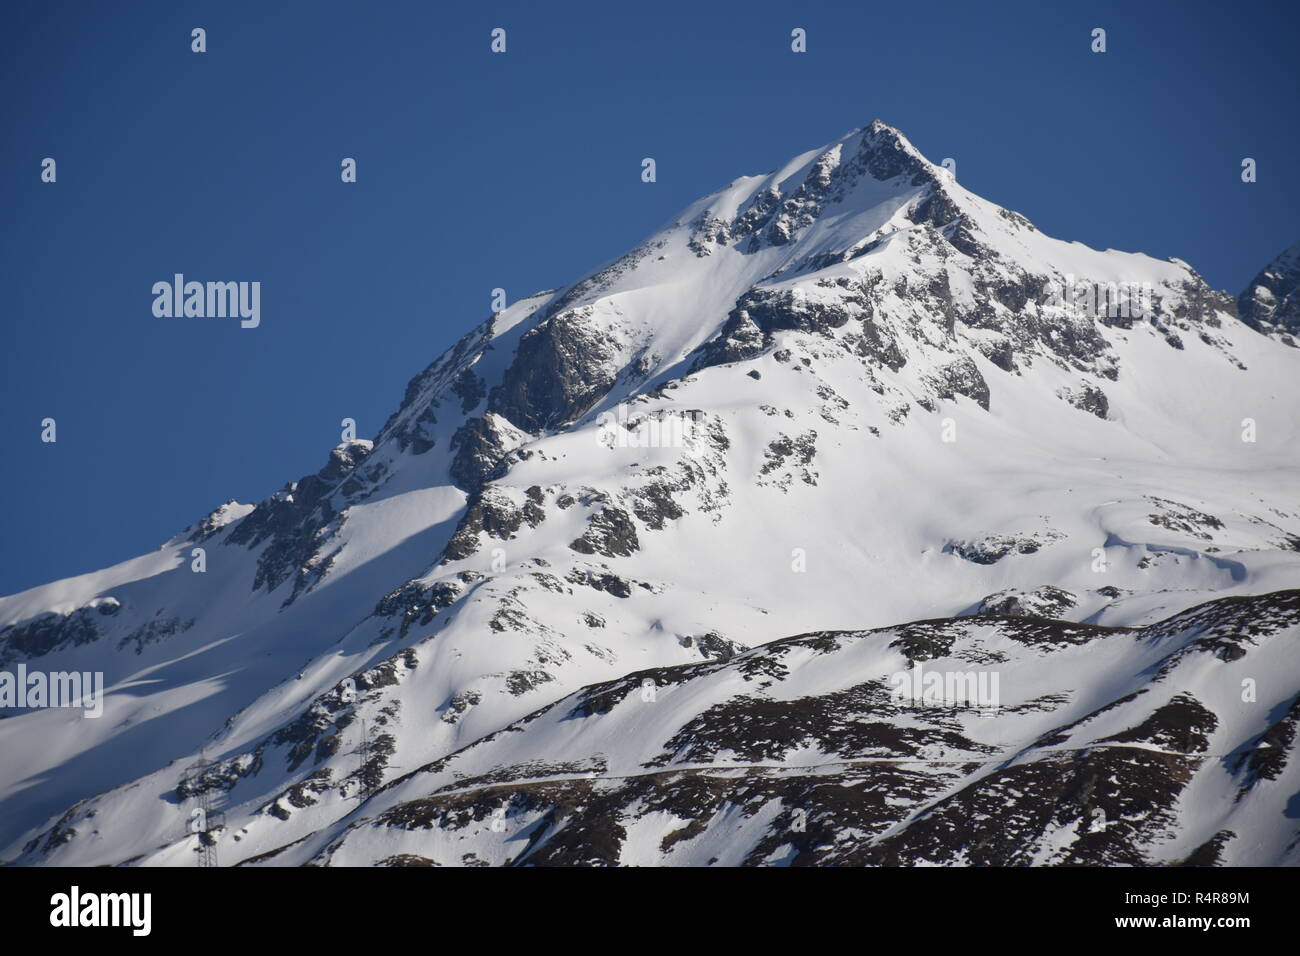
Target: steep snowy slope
{"x": 843, "y": 395}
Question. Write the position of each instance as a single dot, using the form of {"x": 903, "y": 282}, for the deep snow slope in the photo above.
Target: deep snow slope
{"x": 843, "y": 395}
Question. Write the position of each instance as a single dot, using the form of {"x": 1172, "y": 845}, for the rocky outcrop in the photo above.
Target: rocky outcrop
{"x": 1271, "y": 302}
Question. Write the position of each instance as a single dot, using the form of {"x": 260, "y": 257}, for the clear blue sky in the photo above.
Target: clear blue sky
{"x": 521, "y": 171}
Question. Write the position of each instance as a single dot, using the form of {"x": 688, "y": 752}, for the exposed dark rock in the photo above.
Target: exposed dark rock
{"x": 609, "y": 532}
{"x": 490, "y": 512}
{"x": 1185, "y": 519}
{"x": 478, "y": 448}
{"x": 459, "y": 704}
{"x": 561, "y": 368}
{"x": 1090, "y": 399}
{"x": 1210, "y": 853}
{"x": 1269, "y": 753}
{"x": 961, "y": 377}
{"x": 713, "y": 646}
{"x": 470, "y": 389}
{"x": 994, "y": 547}
{"x": 653, "y": 504}
{"x": 609, "y": 583}
{"x": 1271, "y": 302}
{"x": 296, "y": 521}
{"x": 522, "y": 681}
{"x": 792, "y": 454}
{"x": 418, "y": 603}
{"x": 1183, "y": 725}
{"x": 152, "y": 631}
{"x": 46, "y": 633}
{"x": 1046, "y": 601}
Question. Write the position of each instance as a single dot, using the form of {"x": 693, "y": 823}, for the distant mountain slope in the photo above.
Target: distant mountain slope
{"x": 1112, "y": 747}
{"x": 1169, "y": 744}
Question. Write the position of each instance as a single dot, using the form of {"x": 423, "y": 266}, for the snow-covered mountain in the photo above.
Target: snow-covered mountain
{"x": 844, "y": 395}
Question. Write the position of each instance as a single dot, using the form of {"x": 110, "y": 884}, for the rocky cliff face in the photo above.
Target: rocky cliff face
{"x": 1271, "y": 303}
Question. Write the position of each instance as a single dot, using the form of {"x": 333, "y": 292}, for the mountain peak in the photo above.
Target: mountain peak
{"x": 865, "y": 169}
{"x": 878, "y": 135}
